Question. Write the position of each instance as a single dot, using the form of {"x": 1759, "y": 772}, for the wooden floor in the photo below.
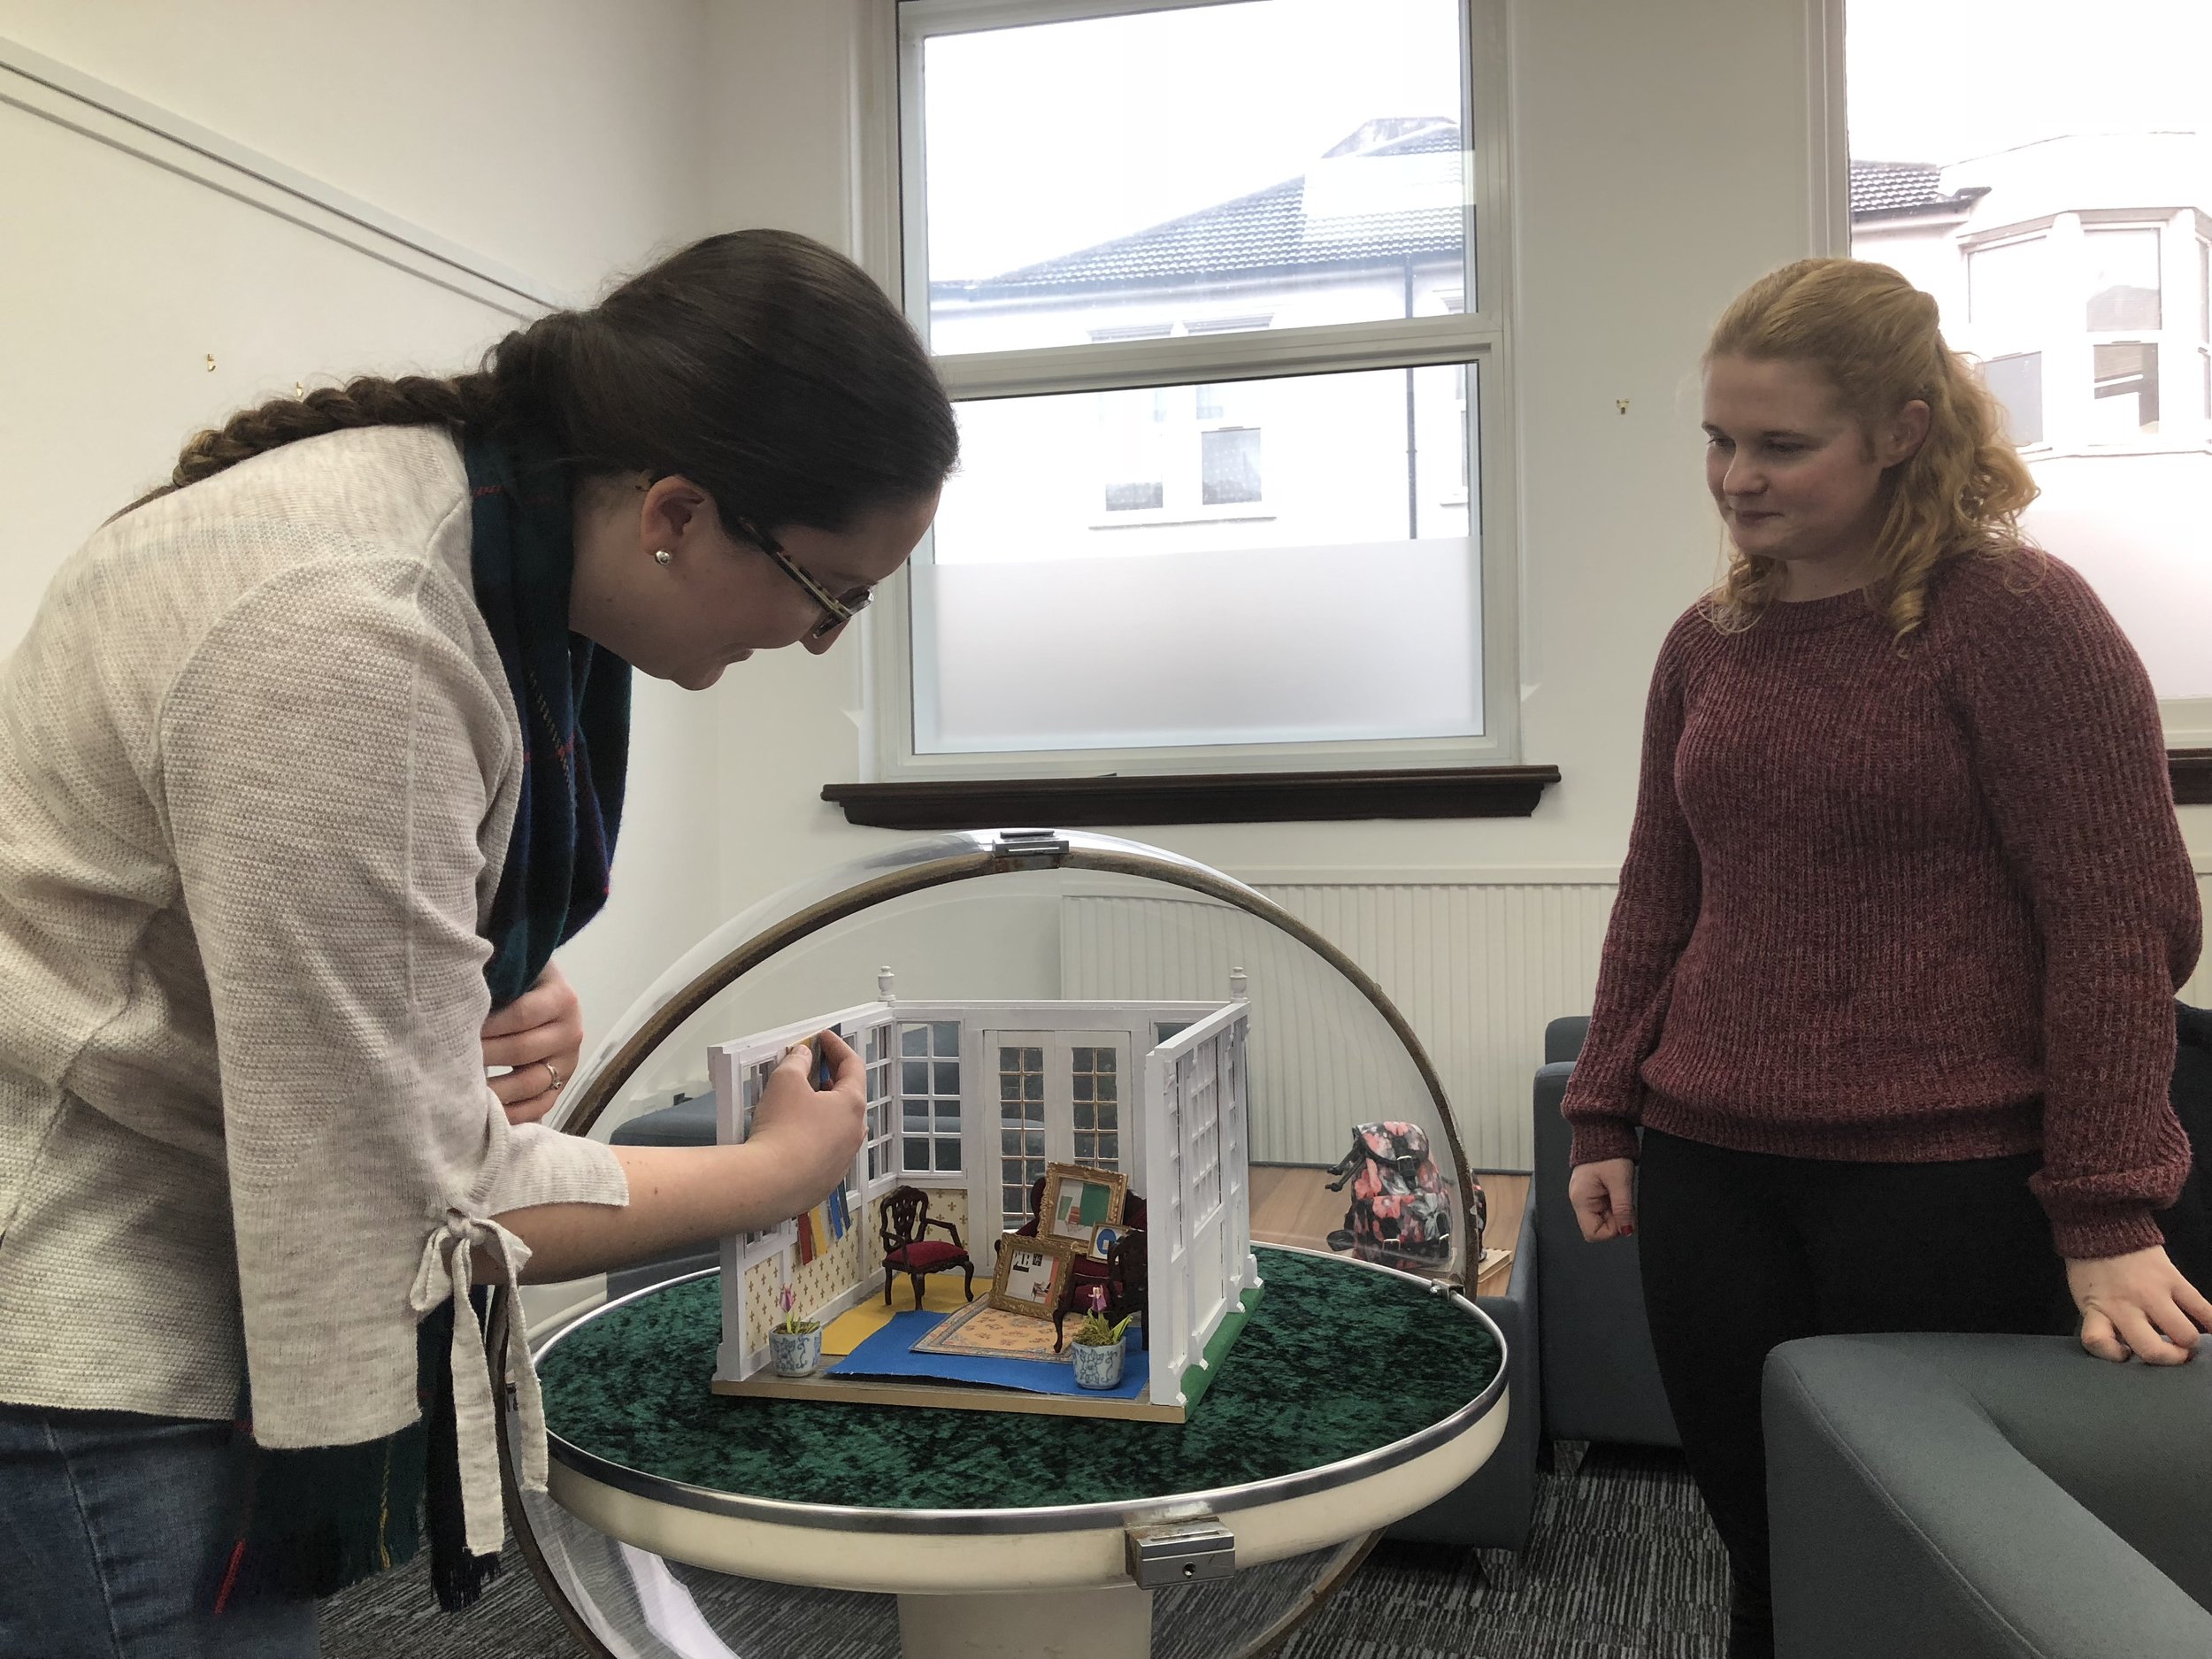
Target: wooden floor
{"x": 1292, "y": 1204}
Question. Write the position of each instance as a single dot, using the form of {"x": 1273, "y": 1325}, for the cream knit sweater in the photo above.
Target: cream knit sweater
{"x": 258, "y": 767}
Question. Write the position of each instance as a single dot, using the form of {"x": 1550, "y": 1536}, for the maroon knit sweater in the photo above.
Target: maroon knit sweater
{"x": 1906, "y": 905}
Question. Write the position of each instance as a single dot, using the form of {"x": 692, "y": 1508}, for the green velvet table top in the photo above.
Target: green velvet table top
{"x": 1335, "y": 1360}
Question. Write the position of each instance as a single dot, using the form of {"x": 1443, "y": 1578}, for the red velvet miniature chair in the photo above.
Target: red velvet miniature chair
{"x": 903, "y": 1221}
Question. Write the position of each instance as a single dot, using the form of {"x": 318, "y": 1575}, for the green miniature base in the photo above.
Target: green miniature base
{"x": 1198, "y": 1378}
{"x": 1335, "y": 1361}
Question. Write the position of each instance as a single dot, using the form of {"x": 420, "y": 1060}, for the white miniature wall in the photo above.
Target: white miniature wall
{"x": 1198, "y": 1193}
{"x": 758, "y": 1266}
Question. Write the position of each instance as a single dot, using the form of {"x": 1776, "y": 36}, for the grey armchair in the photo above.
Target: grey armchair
{"x": 689, "y": 1122}
{"x": 1601, "y": 1380}
{"x": 1494, "y": 1509}
{"x": 1965, "y": 1496}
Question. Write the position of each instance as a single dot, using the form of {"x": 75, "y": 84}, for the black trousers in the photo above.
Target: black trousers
{"x": 1741, "y": 1251}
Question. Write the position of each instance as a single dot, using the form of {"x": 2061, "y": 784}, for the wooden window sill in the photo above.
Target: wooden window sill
{"x": 1195, "y": 798}
{"x": 2192, "y": 776}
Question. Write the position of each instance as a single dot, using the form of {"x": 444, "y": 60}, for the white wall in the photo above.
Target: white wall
{"x": 555, "y": 137}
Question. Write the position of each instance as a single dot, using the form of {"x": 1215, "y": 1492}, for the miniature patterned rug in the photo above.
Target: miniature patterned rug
{"x": 981, "y": 1332}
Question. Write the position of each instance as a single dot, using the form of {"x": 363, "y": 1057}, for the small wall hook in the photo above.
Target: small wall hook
{"x": 211, "y": 363}
{"x": 1621, "y": 404}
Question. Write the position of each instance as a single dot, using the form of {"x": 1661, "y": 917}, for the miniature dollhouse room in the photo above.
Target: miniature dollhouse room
{"x": 1042, "y": 1124}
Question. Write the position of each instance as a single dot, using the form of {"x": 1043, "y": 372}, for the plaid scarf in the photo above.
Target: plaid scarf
{"x": 309, "y": 1523}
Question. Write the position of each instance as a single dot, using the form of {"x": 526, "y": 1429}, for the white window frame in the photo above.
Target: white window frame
{"x": 891, "y": 169}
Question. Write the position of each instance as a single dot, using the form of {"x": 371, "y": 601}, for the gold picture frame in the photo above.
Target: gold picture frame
{"x": 1078, "y": 1200}
{"x": 1030, "y": 1274}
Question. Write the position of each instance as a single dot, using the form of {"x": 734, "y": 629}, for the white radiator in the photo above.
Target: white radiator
{"x": 1476, "y": 963}
{"x": 1477, "y": 967}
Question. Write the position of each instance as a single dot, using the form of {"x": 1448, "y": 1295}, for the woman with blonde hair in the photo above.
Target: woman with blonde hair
{"x": 1884, "y": 1021}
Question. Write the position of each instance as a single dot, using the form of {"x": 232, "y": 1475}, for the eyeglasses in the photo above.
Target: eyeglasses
{"x": 839, "y": 609}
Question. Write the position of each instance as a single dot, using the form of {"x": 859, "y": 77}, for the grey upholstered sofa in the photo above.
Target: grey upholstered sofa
{"x": 1965, "y": 1496}
{"x": 1601, "y": 1380}
{"x": 1494, "y": 1508}
{"x": 1573, "y": 1319}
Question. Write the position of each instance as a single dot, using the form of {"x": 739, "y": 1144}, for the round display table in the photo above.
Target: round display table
{"x": 1355, "y": 1396}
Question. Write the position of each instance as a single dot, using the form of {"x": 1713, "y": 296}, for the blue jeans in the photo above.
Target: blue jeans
{"x": 111, "y": 1525}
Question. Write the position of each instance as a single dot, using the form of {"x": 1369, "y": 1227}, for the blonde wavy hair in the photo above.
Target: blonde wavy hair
{"x": 1875, "y": 338}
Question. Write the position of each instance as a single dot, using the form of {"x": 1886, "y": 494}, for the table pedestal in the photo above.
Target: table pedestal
{"x": 1109, "y": 1624}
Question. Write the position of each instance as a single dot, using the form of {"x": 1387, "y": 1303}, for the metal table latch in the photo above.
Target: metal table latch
{"x": 1030, "y": 848}
{"x": 1180, "y": 1552}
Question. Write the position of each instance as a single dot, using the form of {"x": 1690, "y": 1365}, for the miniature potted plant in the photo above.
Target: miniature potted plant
{"x": 1097, "y": 1348}
{"x": 795, "y": 1343}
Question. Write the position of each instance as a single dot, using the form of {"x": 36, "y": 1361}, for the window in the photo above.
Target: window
{"x": 1219, "y": 506}
{"x": 2123, "y": 286}
{"x": 2017, "y": 381}
{"x": 2127, "y": 384}
{"x": 929, "y": 1097}
{"x": 2063, "y": 221}
{"x": 876, "y": 1053}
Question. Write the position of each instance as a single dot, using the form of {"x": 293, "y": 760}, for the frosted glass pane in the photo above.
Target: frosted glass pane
{"x": 1335, "y": 594}
{"x": 1208, "y": 169}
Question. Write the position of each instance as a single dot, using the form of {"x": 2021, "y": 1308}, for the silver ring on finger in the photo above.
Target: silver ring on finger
{"x": 555, "y": 1081}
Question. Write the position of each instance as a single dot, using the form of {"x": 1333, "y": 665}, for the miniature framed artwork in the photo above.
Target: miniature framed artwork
{"x": 1030, "y": 1275}
{"x": 1103, "y": 1239}
{"x": 1078, "y": 1201}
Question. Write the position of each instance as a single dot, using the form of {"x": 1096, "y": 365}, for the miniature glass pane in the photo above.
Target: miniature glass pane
{"x": 1094, "y": 1082}
{"x": 1315, "y": 170}
{"x": 1335, "y": 500}
{"x": 1021, "y": 1113}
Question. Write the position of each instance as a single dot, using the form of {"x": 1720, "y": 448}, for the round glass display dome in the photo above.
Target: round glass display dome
{"x": 1119, "y": 1080}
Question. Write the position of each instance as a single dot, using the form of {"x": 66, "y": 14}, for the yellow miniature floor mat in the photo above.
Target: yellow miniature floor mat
{"x": 849, "y": 1330}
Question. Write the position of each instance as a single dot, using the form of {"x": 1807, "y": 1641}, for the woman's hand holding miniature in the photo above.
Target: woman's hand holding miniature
{"x": 1603, "y": 1198}
{"x": 812, "y": 1134}
{"x": 540, "y": 1036}
{"x": 2140, "y": 1303}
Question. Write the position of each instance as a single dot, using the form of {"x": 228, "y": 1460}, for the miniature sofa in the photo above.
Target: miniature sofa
{"x": 1966, "y": 1496}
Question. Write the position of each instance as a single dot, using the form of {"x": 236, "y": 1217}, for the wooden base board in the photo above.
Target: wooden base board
{"x": 946, "y": 1397}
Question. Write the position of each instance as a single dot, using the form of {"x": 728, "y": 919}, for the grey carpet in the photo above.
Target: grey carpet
{"x": 1623, "y": 1565}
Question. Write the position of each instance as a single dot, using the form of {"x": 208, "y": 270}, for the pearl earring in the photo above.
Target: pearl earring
{"x": 662, "y": 556}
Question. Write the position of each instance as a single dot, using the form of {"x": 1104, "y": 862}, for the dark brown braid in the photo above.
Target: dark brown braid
{"x": 766, "y": 368}
{"x": 414, "y": 401}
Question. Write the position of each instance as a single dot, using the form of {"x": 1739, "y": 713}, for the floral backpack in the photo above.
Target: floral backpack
{"x": 1399, "y": 1215}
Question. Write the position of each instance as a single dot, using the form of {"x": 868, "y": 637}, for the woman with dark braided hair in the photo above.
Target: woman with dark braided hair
{"x": 309, "y": 762}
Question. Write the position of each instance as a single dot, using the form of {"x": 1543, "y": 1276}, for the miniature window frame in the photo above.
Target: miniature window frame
{"x": 1058, "y": 1251}
{"x": 1057, "y": 1177}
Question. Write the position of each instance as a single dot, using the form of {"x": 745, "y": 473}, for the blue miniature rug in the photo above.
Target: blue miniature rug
{"x": 890, "y": 1353}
